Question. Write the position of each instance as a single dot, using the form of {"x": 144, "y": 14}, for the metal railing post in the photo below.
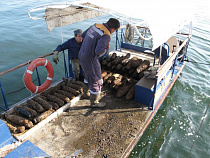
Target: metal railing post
{"x": 5, "y": 100}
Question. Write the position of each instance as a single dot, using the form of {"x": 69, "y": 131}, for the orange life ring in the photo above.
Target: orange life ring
{"x": 29, "y": 71}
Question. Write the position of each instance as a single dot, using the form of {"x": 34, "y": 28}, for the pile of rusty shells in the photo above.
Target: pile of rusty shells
{"x": 120, "y": 73}
{"x": 33, "y": 111}
{"x": 133, "y": 68}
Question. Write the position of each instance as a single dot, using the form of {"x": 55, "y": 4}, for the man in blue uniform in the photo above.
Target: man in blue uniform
{"x": 95, "y": 43}
{"x": 73, "y": 45}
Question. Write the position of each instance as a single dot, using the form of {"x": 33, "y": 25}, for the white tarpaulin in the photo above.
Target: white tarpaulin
{"x": 163, "y": 17}
{"x": 69, "y": 14}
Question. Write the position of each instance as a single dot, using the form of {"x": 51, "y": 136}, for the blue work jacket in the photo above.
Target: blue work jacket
{"x": 72, "y": 46}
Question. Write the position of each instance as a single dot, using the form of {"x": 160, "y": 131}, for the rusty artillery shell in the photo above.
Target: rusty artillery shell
{"x": 107, "y": 76}
{"x": 119, "y": 67}
{"x": 131, "y": 71}
{"x": 43, "y": 116}
{"x": 117, "y": 80}
{"x": 43, "y": 102}
{"x": 21, "y": 129}
{"x": 105, "y": 62}
{"x": 143, "y": 66}
{"x": 109, "y": 64}
{"x": 113, "y": 67}
{"x": 129, "y": 64}
{"x": 118, "y": 60}
{"x": 113, "y": 56}
{"x": 110, "y": 79}
{"x": 12, "y": 128}
{"x": 19, "y": 121}
{"x": 62, "y": 97}
{"x": 22, "y": 112}
{"x": 136, "y": 63}
{"x": 67, "y": 94}
{"x": 116, "y": 84}
{"x": 123, "y": 59}
{"x": 124, "y": 62}
{"x": 56, "y": 100}
{"x": 135, "y": 75}
{"x": 125, "y": 80}
{"x": 128, "y": 55}
{"x": 71, "y": 90}
{"x": 76, "y": 87}
{"x": 123, "y": 90}
{"x": 31, "y": 111}
{"x": 79, "y": 83}
{"x": 124, "y": 68}
{"x": 51, "y": 90}
{"x": 131, "y": 93}
{"x": 141, "y": 74}
{"x": 43, "y": 97}
{"x": 103, "y": 74}
{"x": 54, "y": 105}
{"x": 36, "y": 106}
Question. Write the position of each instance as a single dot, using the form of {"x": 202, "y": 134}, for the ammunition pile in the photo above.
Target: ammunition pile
{"x": 33, "y": 111}
{"x": 133, "y": 68}
{"x": 120, "y": 73}
{"x": 123, "y": 86}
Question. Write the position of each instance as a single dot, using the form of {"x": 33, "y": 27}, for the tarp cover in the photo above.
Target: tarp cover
{"x": 66, "y": 15}
{"x": 163, "y": 17}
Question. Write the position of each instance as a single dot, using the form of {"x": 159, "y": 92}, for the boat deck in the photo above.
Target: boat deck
{"x": 99, "y": 132}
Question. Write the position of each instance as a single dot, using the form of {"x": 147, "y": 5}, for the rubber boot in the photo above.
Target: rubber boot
{"x": 86, "y": 92}
{"x": 94, "y": 101}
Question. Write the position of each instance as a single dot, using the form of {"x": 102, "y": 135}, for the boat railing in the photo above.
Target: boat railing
{"x": 169, "y": 62}
{"x": 6, "y": 107}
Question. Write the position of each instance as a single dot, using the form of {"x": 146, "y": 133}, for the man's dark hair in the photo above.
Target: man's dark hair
{"x": 113, "y": 23}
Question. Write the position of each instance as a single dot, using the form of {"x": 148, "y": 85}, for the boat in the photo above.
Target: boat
{"x": 149, "y": 56}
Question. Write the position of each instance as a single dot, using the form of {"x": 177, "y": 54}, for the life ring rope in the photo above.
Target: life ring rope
{"x": 29, "y": 71}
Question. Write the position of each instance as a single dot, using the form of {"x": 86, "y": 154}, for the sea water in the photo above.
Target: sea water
{"x": 174, "y": 128}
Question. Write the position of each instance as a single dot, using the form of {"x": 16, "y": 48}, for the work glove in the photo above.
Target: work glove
{"x": 55, "y": 57}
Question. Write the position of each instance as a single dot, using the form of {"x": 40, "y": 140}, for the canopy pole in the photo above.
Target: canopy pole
{"x": 61, "y": 29}
{"x": 160, "y": 57}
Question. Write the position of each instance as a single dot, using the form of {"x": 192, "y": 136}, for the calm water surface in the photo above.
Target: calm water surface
{"x": 172, "y": 131}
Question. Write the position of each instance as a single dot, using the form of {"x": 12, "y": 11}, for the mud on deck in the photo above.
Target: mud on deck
{"x": 99, "y": 132}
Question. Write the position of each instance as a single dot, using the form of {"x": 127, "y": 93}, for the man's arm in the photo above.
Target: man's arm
{"x": 63, "y": 46}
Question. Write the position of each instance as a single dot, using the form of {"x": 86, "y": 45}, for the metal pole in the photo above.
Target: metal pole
{"x": 160, "y": 56}
{"x": 5, "y": 100}
{"x": 65, "y": 67}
